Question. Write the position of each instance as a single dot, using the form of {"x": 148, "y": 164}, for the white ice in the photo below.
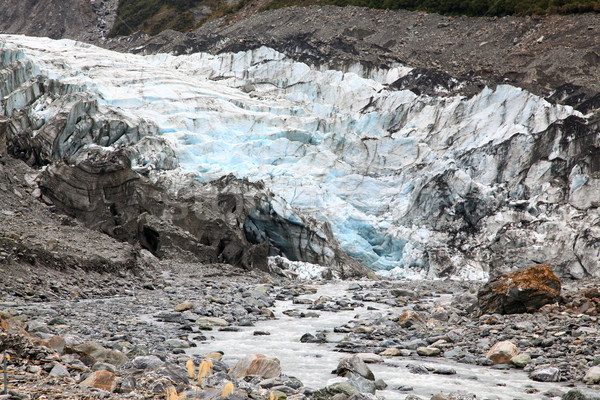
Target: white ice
{"x": 337, "y": 145}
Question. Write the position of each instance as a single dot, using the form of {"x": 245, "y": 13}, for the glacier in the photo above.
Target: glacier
{"x": 383, "y": 167}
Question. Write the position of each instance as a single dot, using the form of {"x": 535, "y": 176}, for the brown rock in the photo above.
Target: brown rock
{"x": 55, "y": 342}
{"x": 524, "y": 290}
{"x": 256, "y": 364}
{"x": 410, "y": 318}
{"x": 502, "y": 352}
{"x": 184, "y": 306}
{"x": 104, "y": 380}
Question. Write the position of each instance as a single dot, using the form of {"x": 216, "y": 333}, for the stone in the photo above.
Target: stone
{"x": 177, "y": 344}
{"x": 573, "y": 394}
{"x": 256, "y": 364}
{"x": 211, "y": 321}
{"x": 353, "y": 364}
{"x": 439, "y": 396}
{"x": 185, "y": 306}
{"x": 101, "y": 366}
{"x": 428, "y": 351}
{"x": 55, "y": 342}
{"x": 391, "y": 352}
{"x": 549, "y": 374}
{"x": 330, "y": 391}
{"x": 361, "y": 384}
{"x": 502, "y": 352}
{"x": 363, "y": 396}
{"x": 370, "y": 358}
{"x": 103, "y": 379}
{"x": 99, "y": 353}
{"x": 521, "y": 360}
{"x": 145, "y": 363}
{"x": 59, "y": 371}
{"x": 444, "y": 371}
{"x": 592, "y": 376}
{"x": 524, "y": 290}
{"x": 215, "y": 355}
{"x": 411, "y": 318}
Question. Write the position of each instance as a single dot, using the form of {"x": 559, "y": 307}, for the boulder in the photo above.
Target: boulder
{"x": 428, "y": 351}
{"x": 93, "y": 352}
{"x": 355, "y": 365}
{"x": 59, "y": 371}
{"x": 502, "y": 352}
{"x": 549, "y": 374}
{"x": 391, "y": 352}
{"x": 521, "y": 360}
{"x": 256, "y": 364}
{"x": 592, "y": 376}
{"x": 104, "y": 380}
{"x": 330, "y": 391}
{"x": 524, "y": 290}
{"x": 410, "y": 318}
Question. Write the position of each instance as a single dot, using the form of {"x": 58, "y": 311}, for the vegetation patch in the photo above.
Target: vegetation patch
{"x": 460, "y": 7}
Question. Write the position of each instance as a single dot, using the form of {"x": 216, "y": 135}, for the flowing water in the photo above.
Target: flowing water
{"x": 312, "y": 363}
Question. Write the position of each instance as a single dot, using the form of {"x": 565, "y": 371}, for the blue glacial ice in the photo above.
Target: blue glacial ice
{"x": 337, "y": 145}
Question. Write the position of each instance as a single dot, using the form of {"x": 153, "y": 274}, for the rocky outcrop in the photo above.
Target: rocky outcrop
{"x": 88, "y": 155}
{"x": 524, "y": 290}
{"x": 230, "y": 220}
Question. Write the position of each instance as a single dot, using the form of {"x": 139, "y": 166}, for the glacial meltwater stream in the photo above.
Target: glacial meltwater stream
{"x": 312, "y": 363}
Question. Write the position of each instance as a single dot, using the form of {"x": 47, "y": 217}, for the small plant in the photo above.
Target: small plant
{"x": 227, "y": 390}
{"x": 191, "y": 368}
{"x": 204, "y": 370}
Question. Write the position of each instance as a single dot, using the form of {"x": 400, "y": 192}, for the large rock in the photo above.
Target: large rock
{"x": 502, "y": 352}
{"x": 90, "y": 353}
{"x": 256, "y": 364}
{"x": 592, "y": 376}
{"x": 104, "y": 380}
{"x": 549, "y": 374}
{"x": 355, "y": 365}
{"x": 524, "y": 290}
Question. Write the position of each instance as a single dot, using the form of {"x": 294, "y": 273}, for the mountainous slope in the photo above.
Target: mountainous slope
{"x": 77, "y": 19}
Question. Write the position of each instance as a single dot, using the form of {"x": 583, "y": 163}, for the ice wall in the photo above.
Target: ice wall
{"x": 344, "y": 148}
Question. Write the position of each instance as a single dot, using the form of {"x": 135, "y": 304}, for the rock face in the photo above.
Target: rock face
{"x": 524, "y": 290}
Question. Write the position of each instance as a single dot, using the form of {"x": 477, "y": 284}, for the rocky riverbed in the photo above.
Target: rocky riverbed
{"x": 425, "y": 338}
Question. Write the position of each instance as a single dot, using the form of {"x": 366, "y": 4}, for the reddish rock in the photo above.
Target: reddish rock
{"x": 410, "y": 318}
{"x": 104, "y": 380}
{"x": 256, "y": 365}
{"x": 524, "y": 290}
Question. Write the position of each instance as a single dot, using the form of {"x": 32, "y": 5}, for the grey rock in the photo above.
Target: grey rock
{"x": 356, "y": 365}
{"x": 361, "y": 384}
{"x": 549, "y": 374}
{"x": 59, "y": 371}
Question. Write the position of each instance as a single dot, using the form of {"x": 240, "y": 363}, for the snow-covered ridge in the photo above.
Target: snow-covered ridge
{"x": 339, "y": 146}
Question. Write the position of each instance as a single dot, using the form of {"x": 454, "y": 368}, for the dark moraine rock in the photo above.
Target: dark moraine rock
{"x": 524, "y": 290}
